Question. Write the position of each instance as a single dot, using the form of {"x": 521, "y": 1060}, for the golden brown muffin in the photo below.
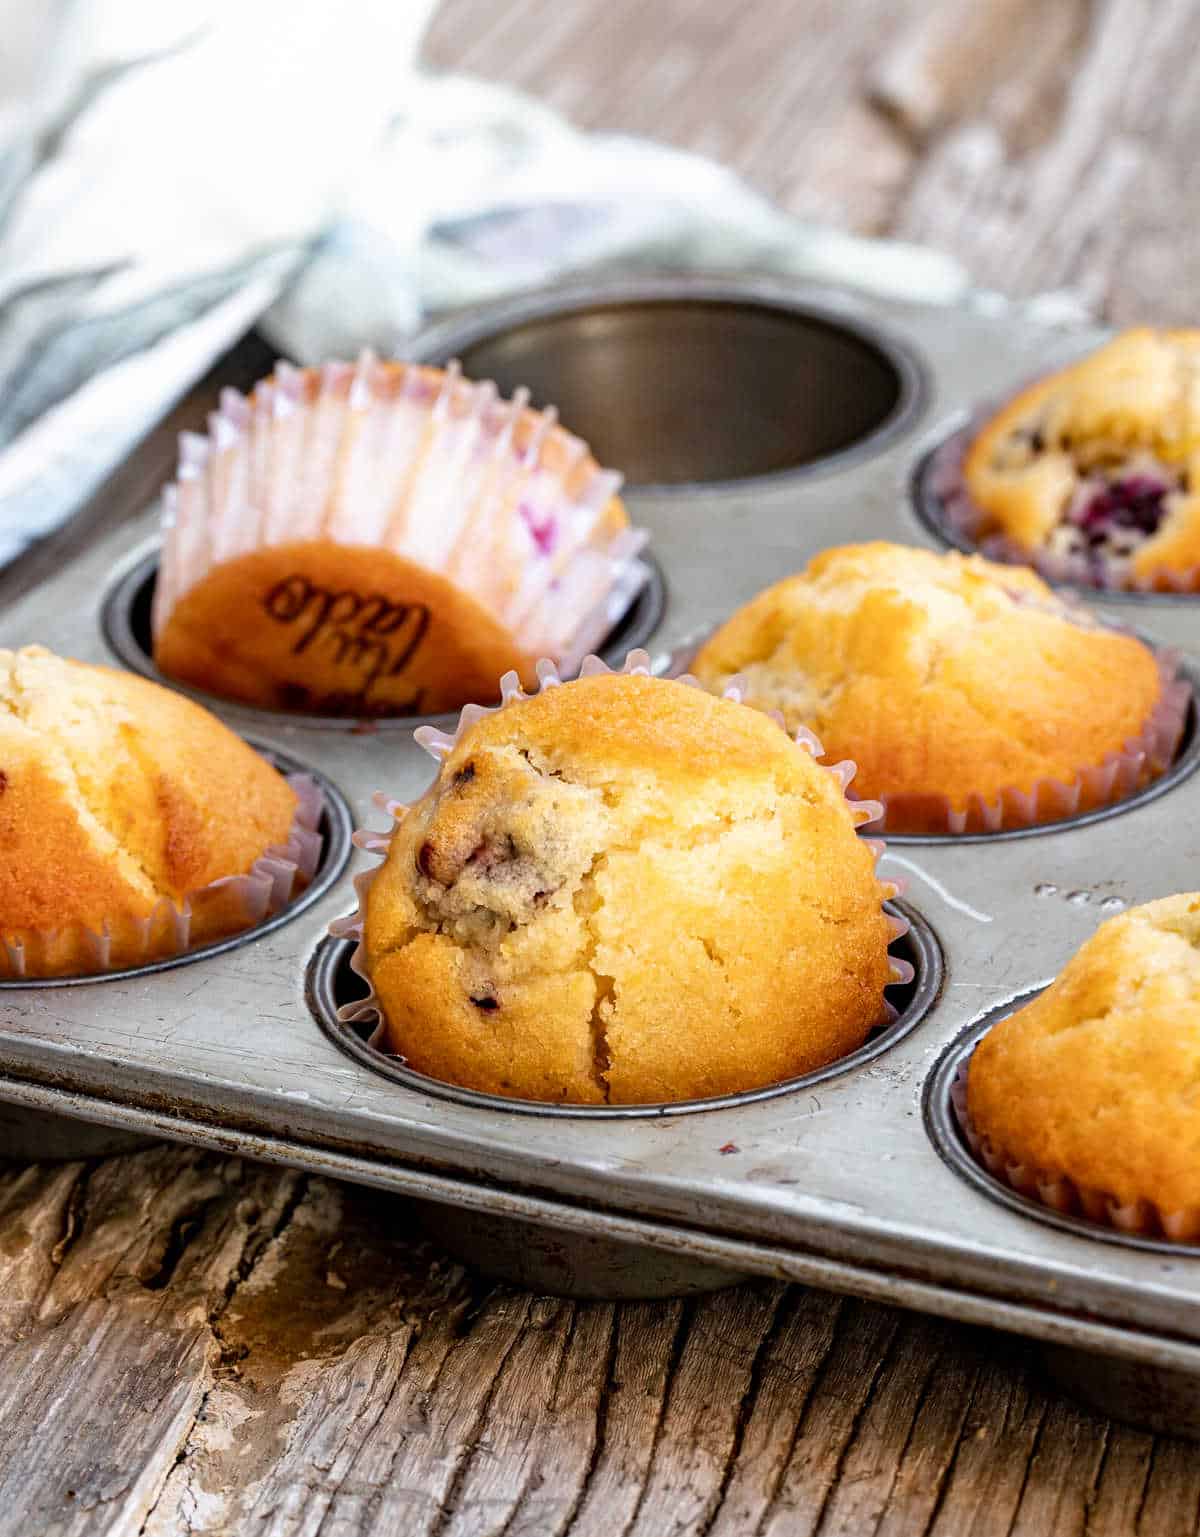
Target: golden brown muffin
{"x": 624, "y": 889}
{"x": 1097, "y": 467}
{"x": 1095, "y": 1080}
{"x": 118, "y": 801}
{"x": 948, "y": 679}
{"x": 384, "y": 540}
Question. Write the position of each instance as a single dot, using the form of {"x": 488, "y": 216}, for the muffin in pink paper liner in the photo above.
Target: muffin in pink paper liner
{"x": 1084, "y": 1099}
{"x": 134, "y": 824}
{"x": 972, "y": 698}
{"x": 385, "y": 539}
{"x": 623, "y": 890}
{"x": 1091, "y": 474}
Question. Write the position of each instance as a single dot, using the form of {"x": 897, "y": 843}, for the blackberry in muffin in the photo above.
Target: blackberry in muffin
{"x": 1093, "y": 473}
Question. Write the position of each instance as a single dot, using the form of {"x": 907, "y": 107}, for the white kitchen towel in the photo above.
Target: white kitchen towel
{"x": 172, "y": 171}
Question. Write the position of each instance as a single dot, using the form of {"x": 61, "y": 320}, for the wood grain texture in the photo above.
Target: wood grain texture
{"x": 193, "y": 1345}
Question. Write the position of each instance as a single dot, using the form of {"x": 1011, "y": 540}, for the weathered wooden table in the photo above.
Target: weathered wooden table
{"x": 192, "y": 1345}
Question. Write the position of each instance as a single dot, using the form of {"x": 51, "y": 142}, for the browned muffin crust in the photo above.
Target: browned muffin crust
{"x": 334, "y": 610}
{"x": 624, "y": 889}
{"x": 117, "y": 796}
{"x": 1095, "y": 1080}
{"x": 942, "y": 676}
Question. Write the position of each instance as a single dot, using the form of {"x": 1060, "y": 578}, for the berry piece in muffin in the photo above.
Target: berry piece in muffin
{"x": 623, "y": 889}
{"x": 1095, "y": 470}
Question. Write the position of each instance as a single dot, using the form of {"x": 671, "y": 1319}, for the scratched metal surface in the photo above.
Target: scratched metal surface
{"x": 840, "y": 1185}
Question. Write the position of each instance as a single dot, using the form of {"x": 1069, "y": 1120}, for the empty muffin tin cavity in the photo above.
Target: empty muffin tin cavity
{"x": 331, "y": 983}
{"x": 935, "y": 495}
{"x": 693, "y": 383}
{"x": 943, "y": 1124}
{"x": 336, "y": 826}
{"x": 125, "y": 621}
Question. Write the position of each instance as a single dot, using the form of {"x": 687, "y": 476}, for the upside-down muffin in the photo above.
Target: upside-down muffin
{"x": 131, "y": 821}
{"x": 1093, "y": 473}
{"x": 970, "y": 696}
{"x": 623, "y": 889}
{"x": 1094, "y": 1082}
{"x": 385, "y": 539}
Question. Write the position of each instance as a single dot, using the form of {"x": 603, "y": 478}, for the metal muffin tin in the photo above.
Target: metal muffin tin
{"x": 837, "y": 1183}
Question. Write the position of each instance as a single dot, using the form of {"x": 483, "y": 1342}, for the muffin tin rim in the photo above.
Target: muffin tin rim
{"x": 331, "y": 954}
{"x": 335, "y": 857}
{"x": 141, "y": 566}
{"x": 922, "y": 503}
{"x": 441, "y": 342}
{"x": 946, "y": 1136}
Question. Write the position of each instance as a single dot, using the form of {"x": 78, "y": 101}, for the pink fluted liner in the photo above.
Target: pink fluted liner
{"x": 439, "y": 744}
{"x": 950, "y": 504}
{"x": 281, "y": 872}
{"x": 425, "y": 465}
{"x": 1062, "y": 1194}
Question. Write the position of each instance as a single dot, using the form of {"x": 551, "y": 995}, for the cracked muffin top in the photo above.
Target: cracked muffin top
{"x": 948, "y": 679}
{"x": 1096, "y": 1079}
{"x": 116, "y": 794}
{"x": 1098, "y": 465}
{"x": 623, "y": 889}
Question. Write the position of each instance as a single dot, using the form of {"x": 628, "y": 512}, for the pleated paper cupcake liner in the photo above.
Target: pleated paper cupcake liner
{"x": 963, "y": 521}
{"x": 224, "y": 907}
{"x": 1141, "y": 760}
{"x": 488, "y": 494}
{"x": 1059, "y": 1193}
{"x": 439, "y": 744}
